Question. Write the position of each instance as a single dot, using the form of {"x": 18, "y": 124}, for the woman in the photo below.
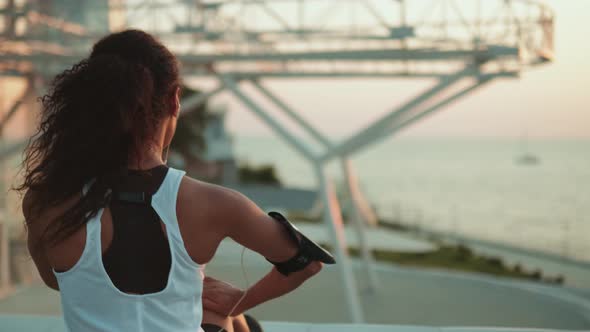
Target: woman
{"x": 123, "y": 237}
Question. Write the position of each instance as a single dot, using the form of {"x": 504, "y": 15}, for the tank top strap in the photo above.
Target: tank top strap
{"x": 93, "y": 235}
{"x": 164, "y": 202}
{"x": 93, "y": 224}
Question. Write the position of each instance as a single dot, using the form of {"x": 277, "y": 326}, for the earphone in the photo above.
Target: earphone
{"x": 166, "y": 155}
{"x": 245, "y": 289}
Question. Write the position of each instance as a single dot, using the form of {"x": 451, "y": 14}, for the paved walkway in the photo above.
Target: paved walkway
{"x": 405, "y": 297}
{"x": 55, "y": 324}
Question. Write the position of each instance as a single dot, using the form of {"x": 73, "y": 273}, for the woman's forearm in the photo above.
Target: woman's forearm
{"x": 274, "y": 285}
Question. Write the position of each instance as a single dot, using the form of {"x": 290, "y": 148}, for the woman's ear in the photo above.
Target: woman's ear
{"x": 176, "y": 103}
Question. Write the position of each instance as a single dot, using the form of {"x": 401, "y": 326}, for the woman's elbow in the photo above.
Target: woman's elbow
{"x": 52, "y": 284}
{"x": 50, "y": 281}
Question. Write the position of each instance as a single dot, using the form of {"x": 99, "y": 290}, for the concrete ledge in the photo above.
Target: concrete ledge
{"x": 32, "y": 323}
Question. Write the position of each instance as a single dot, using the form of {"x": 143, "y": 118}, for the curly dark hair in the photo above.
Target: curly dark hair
{"x": 97, "y": 116}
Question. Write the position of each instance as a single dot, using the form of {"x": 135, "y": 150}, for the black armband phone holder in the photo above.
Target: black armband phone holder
{"x": 308, "y": 251}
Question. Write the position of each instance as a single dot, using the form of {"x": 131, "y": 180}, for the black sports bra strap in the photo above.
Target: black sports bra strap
{"x": 135, "y": 197}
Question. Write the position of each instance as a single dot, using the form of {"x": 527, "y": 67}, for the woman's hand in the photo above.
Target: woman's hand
{"x": 220, "y": 297}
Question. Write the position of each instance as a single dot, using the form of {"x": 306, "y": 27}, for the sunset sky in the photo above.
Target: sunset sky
{"x": 549, "y": 101}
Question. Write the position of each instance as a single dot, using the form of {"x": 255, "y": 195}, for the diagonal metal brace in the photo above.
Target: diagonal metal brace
{"x": 193, "y": 102}
{"x": 296, "y": 143}
{"x": 293, "y": 114}
{"x": 436, "y": 107}
{"x": 14, "y": 108}
{"x": 10, "y": 114}
{"x": 367, "y": 135}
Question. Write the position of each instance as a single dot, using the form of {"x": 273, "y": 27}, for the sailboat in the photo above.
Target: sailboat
{"x": 526, "y": 158}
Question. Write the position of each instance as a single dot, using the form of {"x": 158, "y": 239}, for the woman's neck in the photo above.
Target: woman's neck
{"x": 146, "y": 160}
{"x": 152, "y": 154}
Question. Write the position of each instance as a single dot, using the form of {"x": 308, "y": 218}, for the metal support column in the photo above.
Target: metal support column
{"x": 359, "y": 225}
{"x": 333, "y": 220}
{"x": 4, "y": 252}
{"x": 5, "y": 282}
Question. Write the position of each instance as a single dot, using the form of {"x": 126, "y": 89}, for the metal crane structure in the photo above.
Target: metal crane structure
{"x": 461, "y": 45}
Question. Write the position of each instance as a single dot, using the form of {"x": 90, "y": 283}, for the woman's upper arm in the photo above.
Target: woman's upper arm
{"x": 36, "y": 249}
{"x": 41, "y": 262}
{"x": 237, "y": 217}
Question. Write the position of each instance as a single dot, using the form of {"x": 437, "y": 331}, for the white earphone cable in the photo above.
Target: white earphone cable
{"x": 166, "y": 155}
{"x": 245, "y": 288}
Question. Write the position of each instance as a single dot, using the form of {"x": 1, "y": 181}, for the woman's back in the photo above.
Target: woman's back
{"x": 195, "y": 216}
{"x": 91, "y": 301}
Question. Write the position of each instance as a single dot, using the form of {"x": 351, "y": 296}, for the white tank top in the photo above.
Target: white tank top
{"x": 90, "y": 301}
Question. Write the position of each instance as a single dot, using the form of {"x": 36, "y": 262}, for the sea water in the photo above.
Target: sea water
{"x": 470, "y": 187}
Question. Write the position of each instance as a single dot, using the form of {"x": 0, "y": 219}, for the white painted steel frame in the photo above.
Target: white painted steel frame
{"x": 394, "y": 121}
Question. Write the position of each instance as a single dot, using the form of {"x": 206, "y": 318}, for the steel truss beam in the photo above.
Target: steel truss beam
{"x": 381, "y": 54}
{"x": 360, "y": 73}
{"x": 522, "y": 31}
{"x": 376, "y": 73}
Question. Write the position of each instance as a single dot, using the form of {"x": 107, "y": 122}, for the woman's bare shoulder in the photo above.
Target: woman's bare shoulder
{"x": 211, "y": 199}
{"x": 217, "y": 212}
{"x": 212, "y": 206}
{"x": 202, "y": 210}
